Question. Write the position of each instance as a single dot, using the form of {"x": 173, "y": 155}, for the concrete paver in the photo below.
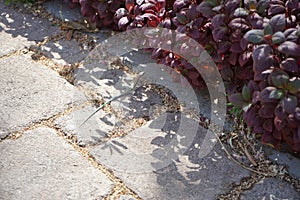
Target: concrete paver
{"x": 19, "y": 30}
{"x": 286, "y": 159}
{"x": 161, "y": 161}
{"x": 40, "y": 165}
{"x": 31, "y": 92}
{"x": 269, "y": 189}
{"x": 91, "y": 132}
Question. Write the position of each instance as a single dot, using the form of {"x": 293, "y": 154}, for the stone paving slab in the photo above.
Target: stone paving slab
{"x": 40, "y": 165}
{"x": 157, "y": 163}
{"x": 19, "y": 30}
{"x": 286, "y": 159}
{"x": 95, "y": 129}
{"x": 61, "y": 9}
{"x": 31, "y": 92}
{"x": 271, "y": 189}
{"x": 64, "y": 51}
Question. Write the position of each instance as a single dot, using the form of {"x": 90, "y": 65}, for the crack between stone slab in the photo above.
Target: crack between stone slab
{"x": 120, "y": 188}
{"x": 248, "y": 183}
{"x": 43, "y": 122}
{"x": 14, "y": 53}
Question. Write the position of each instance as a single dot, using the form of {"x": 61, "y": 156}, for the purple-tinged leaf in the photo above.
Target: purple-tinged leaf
{"x": 223, "y": 47}
{"x": 268, "y": 125}
{"x": 244, "y": 58}
{"x": 192, "y": 12}
{"x": 266, "y": 111}
{"x": 265, "y": 95}
{"x": 237, "y": 100}
{"x": 276, "y": 9}
{"x": 258, "y": 128}
{"x": 268, "y": 138}
{"x": 218, "y": 9}
{"x": 292, "y": 121}
{"x": 289, "y": 103}
{"x": 277, "y": 22}
{"x": 147, "y": 6}
{"x": 255, "y": 36}
{"x": 277, "y": 94}
{"x": 256, "y": 21}
{"x": 129, "y": 4}
{"x": 292, "y": 4}
{"x": 244, "y": 44}
{"x": 218, "y": 20}
{"x": 278, "y": 38}
{"x": 290, "y": 65}
{"x": 123, "y": 22}
{"x": 227, "y": 74}
{"x": 219, "y": 33}
{"x": 238, "y": 23}
{"x": 241, "y": 12}
{"x": 289, "y": 48}
{"x": 293, "y": 86}
{"x": 205, "y": 9}
{"x": 279, "y": 124}
{"x": 262, "y": 58}
{"x": 139, "y": 2}
{"x": 233, "y": 58}
{"x": 244, "y": 73}
{"x": 236, "y": 48}
{"x": 279, "y": 113}
{"x": 291, "y": 34}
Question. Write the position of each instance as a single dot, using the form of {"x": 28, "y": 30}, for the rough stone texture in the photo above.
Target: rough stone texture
{"x": 287, "y": 159}
{"x": 40, "y": 165}
{"x": 92, "y": 131}
{"x": 18, "y": 30}
{"x": 64, "y": 51}
{"x": 31, "y": 92}
{"x": 169, "y": 159}
{"x": 60, "y": 9}
{"x": 126, "y": 197}
{"x": 270, "y": 189}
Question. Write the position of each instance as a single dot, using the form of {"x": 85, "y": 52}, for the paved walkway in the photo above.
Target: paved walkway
{"x": 133, "y": 149}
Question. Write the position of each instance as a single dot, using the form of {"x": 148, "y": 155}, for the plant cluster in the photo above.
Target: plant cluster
{"x": 255, "y": 44}
{"x": 99, "y": 12}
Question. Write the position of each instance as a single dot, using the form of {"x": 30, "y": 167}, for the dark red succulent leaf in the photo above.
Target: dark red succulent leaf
{"x": 289, "y": 103}
{"x": 290, "y": 65}
{"x": 289, "y": 48}
{"x": 267, "y": 111}
{"x": 237, "y": 100}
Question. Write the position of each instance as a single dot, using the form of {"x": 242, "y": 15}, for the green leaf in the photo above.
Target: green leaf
{"x": 246, "y": 93}
{"x": 213, "y": 3}
{"x": 246, "y": 107}
{"x": 293, "y": 86}
{"x": 276, "y": 94}
{"x": 262, "y": 5}
{"x": 278, "y": 38}
{"x": 255, "y": 36}
{"x": 279, "y": 78}
{"x": 268, "y": 30}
